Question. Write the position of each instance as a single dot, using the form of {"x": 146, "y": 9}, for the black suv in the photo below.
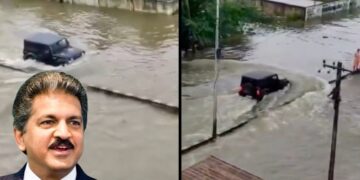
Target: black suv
{"x": 259, "y": 83}
{"x": 50, "y": 49}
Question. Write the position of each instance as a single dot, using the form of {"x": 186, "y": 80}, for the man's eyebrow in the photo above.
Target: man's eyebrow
{"x": 50, "y": 116}
{"x": 75, "y": 117}
{"x": 47, "y": 116}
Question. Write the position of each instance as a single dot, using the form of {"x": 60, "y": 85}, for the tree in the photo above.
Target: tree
{"x": 199, "y": 17}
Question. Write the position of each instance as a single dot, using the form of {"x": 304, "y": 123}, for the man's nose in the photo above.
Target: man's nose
{"x": 62, "y": 131}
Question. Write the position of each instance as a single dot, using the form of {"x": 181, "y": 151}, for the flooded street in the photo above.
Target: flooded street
{"x": 288, "y": 134}
{"x": 129, "y": 52}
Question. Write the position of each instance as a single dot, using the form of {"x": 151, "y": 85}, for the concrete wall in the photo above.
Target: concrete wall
{"x": 270, "y": 8}
{"x": 313, "y": 11}
{"x": 154, "y": 6}
{"x": 331, "y": 7}
{"x": 355, "y": 3}
{"x": 294, "y": 11}
{"x": 278, "y": 9}
{"x": 335, "y": 6}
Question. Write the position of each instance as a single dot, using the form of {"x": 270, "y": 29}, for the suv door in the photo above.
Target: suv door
{"x": 248, "y": 86}
{"x": 44, "y": 53}
{"x": 31, "y": 50}
{"x": 274, "y": 80}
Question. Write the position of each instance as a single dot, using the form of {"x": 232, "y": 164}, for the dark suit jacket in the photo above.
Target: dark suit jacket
{"x": 80, "y": 175}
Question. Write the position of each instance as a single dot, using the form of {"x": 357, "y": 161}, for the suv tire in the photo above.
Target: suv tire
{"x": 283, "y": 83}
{"x": 259, "y": 98}
{"x": 264, "y": 92}
{"x": 241, "y": 93}
{"x": 248, "y": 87}
{"x": 29, "y": 57}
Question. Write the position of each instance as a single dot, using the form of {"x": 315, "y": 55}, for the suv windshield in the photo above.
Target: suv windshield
{"x": 60, "y": 45}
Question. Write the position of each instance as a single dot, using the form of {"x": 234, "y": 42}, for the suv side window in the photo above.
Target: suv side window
{"x": 244, "y": 80}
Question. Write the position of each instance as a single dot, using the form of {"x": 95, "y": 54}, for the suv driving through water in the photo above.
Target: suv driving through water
{"x": 259, "y": 83}
{"x": 50, "y": 49}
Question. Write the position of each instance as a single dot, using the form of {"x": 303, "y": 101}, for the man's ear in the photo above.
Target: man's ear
{"x": 19, "y": 139}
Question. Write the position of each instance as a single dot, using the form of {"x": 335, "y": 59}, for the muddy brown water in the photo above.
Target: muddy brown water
{"x": 130, "y": 52}
{"x": 280, "y": 142}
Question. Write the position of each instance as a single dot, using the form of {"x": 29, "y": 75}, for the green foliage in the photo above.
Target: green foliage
{"x": 294, "y": 17}
{"x": 200, "y": 16}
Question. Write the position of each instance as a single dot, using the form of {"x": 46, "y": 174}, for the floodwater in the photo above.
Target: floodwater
{"x": 129, "y": 52}
{"x": 288, "y": 134}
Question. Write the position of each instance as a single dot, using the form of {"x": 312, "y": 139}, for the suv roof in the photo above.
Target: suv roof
{"x": 258, "y": 75}
{"x": 44, "y": 38}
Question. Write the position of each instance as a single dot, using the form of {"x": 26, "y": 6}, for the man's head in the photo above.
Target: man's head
{"x": 50, "y": 116}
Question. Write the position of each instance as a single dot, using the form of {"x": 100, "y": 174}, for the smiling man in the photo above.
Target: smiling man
{"x": 50, "y": 116}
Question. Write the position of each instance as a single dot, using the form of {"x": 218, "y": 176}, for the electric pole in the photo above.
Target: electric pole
{"x": 335, "y": 96}
{"x": 216, "y": 54}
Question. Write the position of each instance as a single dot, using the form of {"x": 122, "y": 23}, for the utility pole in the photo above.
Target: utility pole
{"x": 335, "y": 96}
{"x": 216, "y": 54}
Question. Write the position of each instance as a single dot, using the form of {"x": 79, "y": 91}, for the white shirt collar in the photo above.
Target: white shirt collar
{"x": 30, "y": 175}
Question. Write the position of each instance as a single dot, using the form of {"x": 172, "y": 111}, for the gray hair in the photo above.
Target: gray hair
{"x": 41, "y": 83}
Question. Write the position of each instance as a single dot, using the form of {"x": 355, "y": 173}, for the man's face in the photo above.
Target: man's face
{"x": 55, "y": 116}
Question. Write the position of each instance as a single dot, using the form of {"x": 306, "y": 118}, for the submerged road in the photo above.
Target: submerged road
{"x": 129, "y": 53}
{"x": 280, "y": 142}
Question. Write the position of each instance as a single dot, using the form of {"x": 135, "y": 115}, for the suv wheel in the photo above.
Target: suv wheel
{"x": 29, "y": 57}
{"x": 283, "y": 83}
{"x": 263, "y": 92}
{"x": 241, "y": 93}
{"x": 260, "y": 97}
{"x": 248, "y": 89}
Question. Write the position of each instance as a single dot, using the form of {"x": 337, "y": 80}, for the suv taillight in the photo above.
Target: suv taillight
{"x": 241, "y": 88}
{"x": 258, "y": 93}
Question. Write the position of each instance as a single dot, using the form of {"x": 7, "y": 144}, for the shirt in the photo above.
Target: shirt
{"x": 30, "y": 175}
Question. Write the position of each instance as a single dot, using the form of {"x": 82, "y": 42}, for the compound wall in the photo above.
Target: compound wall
{"x": 155, "y": 6}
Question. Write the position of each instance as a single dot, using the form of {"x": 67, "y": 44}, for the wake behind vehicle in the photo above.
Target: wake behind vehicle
{"x": 259, "y": 83}
{"x": 50, "y": 49}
